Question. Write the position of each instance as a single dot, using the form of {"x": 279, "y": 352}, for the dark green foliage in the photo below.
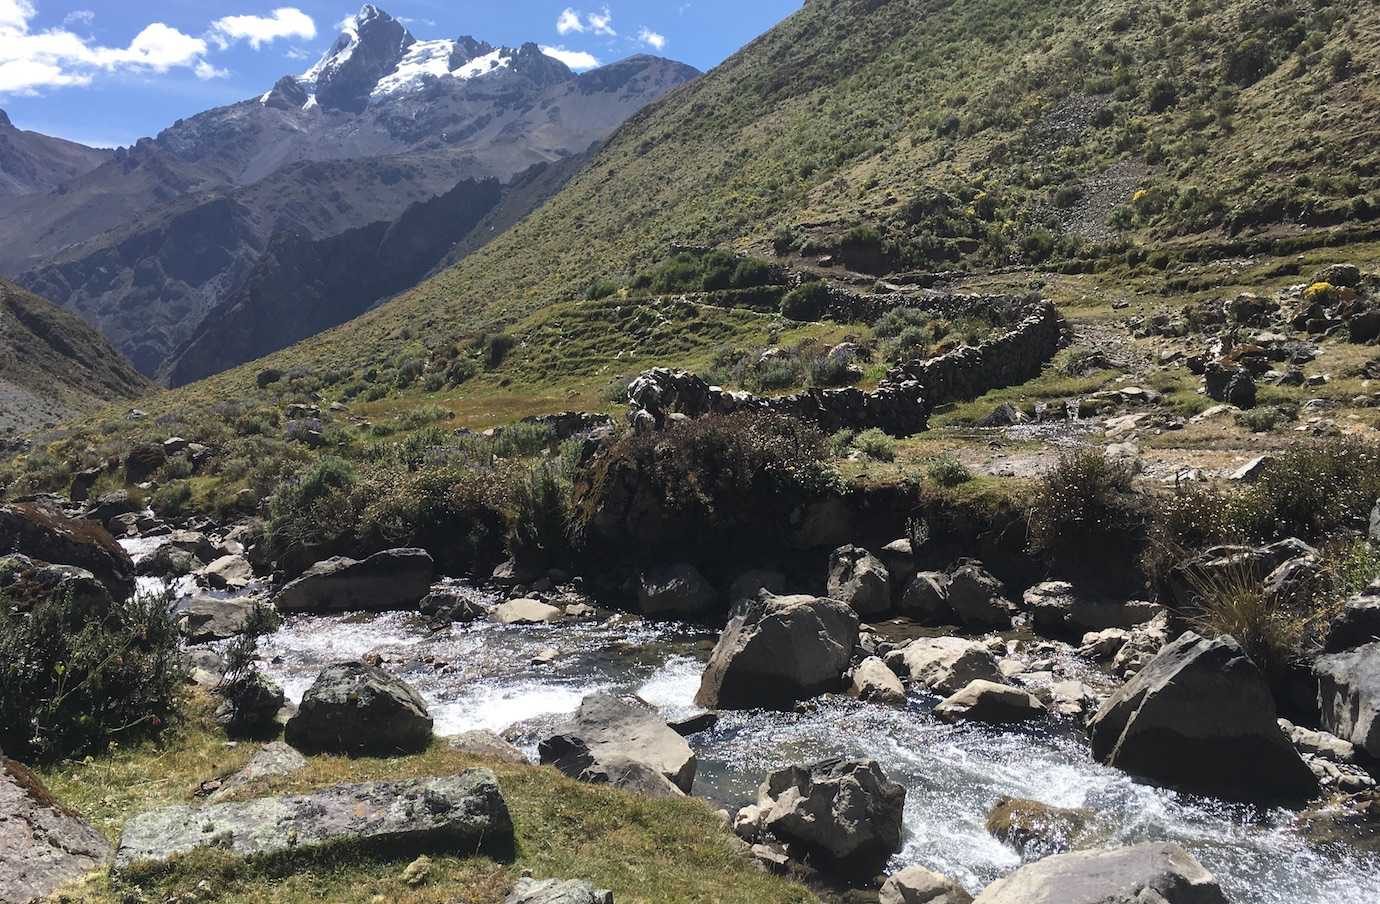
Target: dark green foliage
{"x": 1311, "y": 492}
{"x": 496, "y": 349}
{"x": 242, "y": 679}
{"x": 948, "y": 471}
{"x": 542, "y": 515}
{"x": 75, "y": 678}
{"x": 806, "y": 303}
{"x": 1086, "y": 520}
{"x": 711, "y": 271}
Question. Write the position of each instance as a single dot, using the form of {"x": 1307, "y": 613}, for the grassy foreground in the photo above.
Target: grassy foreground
{"x": 645, "y": 851}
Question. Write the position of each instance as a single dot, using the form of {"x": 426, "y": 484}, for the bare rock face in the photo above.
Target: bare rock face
{"x": 42, "y": 844}
{"x": 1349, "y": 695}
{"x": 464, "y": 812}
{"x": 389, "y": 580}
{"x": 1200, "y": 716}
{"x": 1161, "y": 873}
{"x": 845, "y": 815}
{"x": 777, "y": 650}
{"x": 359, "y": 709}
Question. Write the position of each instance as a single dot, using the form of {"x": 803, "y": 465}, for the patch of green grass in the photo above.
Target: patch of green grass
{"x": 644, "y": 850}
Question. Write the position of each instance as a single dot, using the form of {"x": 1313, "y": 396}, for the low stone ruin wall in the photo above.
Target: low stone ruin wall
{"x": 902, "y": 402}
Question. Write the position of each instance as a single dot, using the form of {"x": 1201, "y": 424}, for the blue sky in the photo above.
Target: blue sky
{"x": 107, "y": 72}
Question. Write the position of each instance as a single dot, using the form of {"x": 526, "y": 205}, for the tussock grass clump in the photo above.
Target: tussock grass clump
{"x": 947, "y": 471}
{"x": 1086, "y": 520}
{"x": 875, "y": 444}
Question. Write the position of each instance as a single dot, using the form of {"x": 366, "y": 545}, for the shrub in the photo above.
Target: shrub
{"x": 460, "y": 371}
{"x": 831, "y": 371}
{"x": 751, "y": 273}
{"x": 1273, "y": 632}
{"x": 242, "y": 682}
{"x": 806, "y": 303}
{"x": 841, "y": 443}
{"x": 408, "y": 372}
{"x": 948, "y": 471}
{"x": 1310, "y": 492}
{"x": 897, "y": 320}
{"x": 541, "y": 516}
{"x": 312, "y": 516}
{"x": 776, "y": 374}
{"x": 1084, "y": 515}
{"x": 1262, "y": 420}
{"x": 423, "y": 416}
{"x": 875, "y": 444}
{"x": 173, "y": 500}
{"x": 496, "y": 349}
{"x": 75, "y": 678}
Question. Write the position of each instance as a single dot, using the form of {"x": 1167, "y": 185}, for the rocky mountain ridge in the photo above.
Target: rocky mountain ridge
{"x": 30, "y": 162}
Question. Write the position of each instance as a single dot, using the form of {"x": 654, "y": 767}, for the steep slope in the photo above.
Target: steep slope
{"x": 382, "y": 122}
{"x": 932, "y": 134}
{"x": 52, "y": 365}
{"x": 30, "y": 162}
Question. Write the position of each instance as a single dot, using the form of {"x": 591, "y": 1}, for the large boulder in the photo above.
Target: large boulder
{"x": 229, "y": 572}
{"x": 43, "y": 845}
{"x": 50, "y": 536}
{"x": 611, "y": 728}
{"x": 526, "y": 612}
{"x": 944, "y": 665}
{"x": 1158, "y": 873}
{"x": 988, "y": 701}
{"x": 676, "y": 591}
{"x": 1349, "y": 695}
{"x": 873, "y": 680}
{"x": 1200, "y": 716}
{"x": 979, "y": 599}
{"x": 464, "y": 812}
{"x": 360, "y": 709}
{"x": 858, "y": 578}
{"x": 1037, "y": 829}
{"x": 1057, "y": 610}
{"x": 571, "y": 756}
{"x": 844, "y": 815}
{"x": 167, "y": 562}
{"x": 926, "y": 599}
{"x": 777, "y": 650}
{"x": 26, "y": 583}
{"x": 1359, "y": 622}
{"x": 917, "y": 885}
{"x": 389, "y": 580}
{"x": 203, "y": 618}
{"x": 557, "y": 891}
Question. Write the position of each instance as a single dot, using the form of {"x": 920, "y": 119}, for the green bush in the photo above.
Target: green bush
{"x": 496, "y": 349}
{"x": 1310, "y": 492}
{"x": 541, "y": 516}
{"x": 875, "y": 444}
{"x": 76, "y": 677}
{"x": 947, "y": 471}
{"x": 172, "y": 500}
{"x": 830, "y": 371}
{"x": 806, "y": 303}
{"x": 1085, "y": 503}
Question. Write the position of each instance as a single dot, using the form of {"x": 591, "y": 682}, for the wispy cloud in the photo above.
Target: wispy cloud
{"x": 599, "y": 22}
{"x": 285, "y": 22}
{"x": 205, "y": 71}
{"x": 652, "y": 39}
{"x": 575, "y": 59}
{"x": 79, "y": 17}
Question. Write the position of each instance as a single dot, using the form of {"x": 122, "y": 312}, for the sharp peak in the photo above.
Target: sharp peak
{"x": 5, "y": 119}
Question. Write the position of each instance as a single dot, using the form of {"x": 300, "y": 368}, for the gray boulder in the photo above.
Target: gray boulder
{"x": 1359, "y": 623}
{"x": 229, "y": 572}
{"x": 1036, "y": 829}
{"x": 845, "y": 815}
{"x": 1200, "y": 716}
{"x": 1349, "y": 695}
{"x": 874, "y": 681}
{"x": 390, "y": 580}
{"x": 677, "y": 591}
{"x": 979, "y": 599}
{"x": 777, "y": 650}
{"x": 944, "y": 664}
{"x": 611, "y": 727}
{"x": 43, "y": 845}
{"x": 526, "y": 612}
{"x": 571, "y": 756}
{"x": 26, "y": 582}
{"x": 273, "y": 760}
{"x": 452, "y": 604}
{"x": 917, "y": 885}
{"x": 202, "y": 619}
{"x": 358, "y": 709}
{"x": 926, "y": 599}
{"x": 1057, "y": 610}
{"x": 464, "y": 812}
{"x": 252, "y": 707}
{"x": 486, "y": 745}
{"x": 899, "y": 558}
{"x": 858, "y": 578}
{"x": 47, "y": 535}
{"x": 167, "y": 562}
{"x": 1158, "y": 873}
{"x": 988, "y": 701}
{"x": 557, "y": 891}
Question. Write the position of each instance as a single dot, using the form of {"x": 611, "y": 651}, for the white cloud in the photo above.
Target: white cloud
{"x": 82, "y": 17}
{"x": 575, "y": 59}
{"x": 652, "y": 39}
{"x": 600, "y": 22}
{"x": 568, "y": 22}
{"x": 205, "y": 71}
{"x": 59, "y": 58}
{"x": 286, "y": 22}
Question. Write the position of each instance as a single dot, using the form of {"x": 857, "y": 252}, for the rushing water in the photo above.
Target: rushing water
{"x": 481, "y": 676}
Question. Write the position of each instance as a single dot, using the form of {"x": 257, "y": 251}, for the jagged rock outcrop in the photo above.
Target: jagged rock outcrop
{"x": 1349, "y": 695}
{"x": 49, "y": 536}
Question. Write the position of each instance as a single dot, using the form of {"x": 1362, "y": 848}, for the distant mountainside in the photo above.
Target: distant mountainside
{"x": 148, "y": 243}
{"x": 30, "y": 162}
{"x": 52, "y": 365}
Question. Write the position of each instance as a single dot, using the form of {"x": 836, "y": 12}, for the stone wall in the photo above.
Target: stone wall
{"x": 902, "y": 402}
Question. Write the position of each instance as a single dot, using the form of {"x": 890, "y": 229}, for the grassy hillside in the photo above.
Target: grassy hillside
{"x": 52, "y": 365}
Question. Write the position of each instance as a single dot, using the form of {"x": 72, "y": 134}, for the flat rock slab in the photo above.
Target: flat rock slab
{"x": 1160, "y": 873}
{"x": 556, "y": 891}
{"x": 42, "y": 844}
{"x": 459, "y": 814}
